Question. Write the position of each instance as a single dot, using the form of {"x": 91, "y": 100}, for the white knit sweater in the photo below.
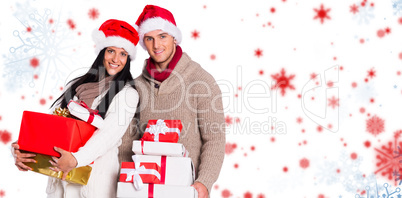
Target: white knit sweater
{"x": 102, "y": 149}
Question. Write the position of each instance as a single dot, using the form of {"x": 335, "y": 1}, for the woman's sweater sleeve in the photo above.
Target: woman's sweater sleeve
{"x": 118, "y": 117}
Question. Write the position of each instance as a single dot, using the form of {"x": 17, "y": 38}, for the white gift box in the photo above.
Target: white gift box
{"x": 174, "y": 170}
{"x": 159, "y": 148}
{"x": 85, "y": 114}
{"x": 127, "y": 190}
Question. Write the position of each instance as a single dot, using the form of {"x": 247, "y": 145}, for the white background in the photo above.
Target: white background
{"x": 232, "y": 31}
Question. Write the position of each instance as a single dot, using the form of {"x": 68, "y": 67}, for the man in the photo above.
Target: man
{"x": 172, "y": 86}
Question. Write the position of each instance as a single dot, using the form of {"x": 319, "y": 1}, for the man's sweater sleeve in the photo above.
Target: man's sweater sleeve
{"x": 118, "y": 117}
{"x": 211, "y": 123}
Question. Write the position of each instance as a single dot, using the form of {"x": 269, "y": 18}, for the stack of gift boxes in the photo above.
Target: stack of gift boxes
{"x": 68, "y": 129}
{"x": 161, "y": 166}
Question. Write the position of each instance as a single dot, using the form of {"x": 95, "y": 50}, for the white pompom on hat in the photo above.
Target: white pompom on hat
{"x": 157, "y": 18}
{"x": 116, "y": 33}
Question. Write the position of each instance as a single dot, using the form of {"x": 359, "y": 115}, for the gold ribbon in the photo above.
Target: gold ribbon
{"x": 62, "y": 112}
{"x": 78, "y": 175}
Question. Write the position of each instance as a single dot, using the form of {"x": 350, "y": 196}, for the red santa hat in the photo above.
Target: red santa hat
{"x": 157, "y": 18}
{"x": 116, "y": 33}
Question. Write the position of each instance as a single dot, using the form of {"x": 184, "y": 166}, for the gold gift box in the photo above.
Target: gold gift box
{"x": 78, "y": 175}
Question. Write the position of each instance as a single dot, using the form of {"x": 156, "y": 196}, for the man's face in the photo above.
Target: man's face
{"x": 160, "y": 46}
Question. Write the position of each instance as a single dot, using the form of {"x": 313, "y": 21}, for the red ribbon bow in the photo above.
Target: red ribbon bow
{"x": 92, "y": 112}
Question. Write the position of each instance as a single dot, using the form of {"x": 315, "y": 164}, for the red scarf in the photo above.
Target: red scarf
{"x": 161, "y": 76}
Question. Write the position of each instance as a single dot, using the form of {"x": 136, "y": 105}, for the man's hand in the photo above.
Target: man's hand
{"x": 22, "y": 157}
{"x": 201, "y": 189}
{"x": 65, "y": 163}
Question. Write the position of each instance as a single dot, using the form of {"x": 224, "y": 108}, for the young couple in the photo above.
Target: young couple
{"x": 171, "y": 86}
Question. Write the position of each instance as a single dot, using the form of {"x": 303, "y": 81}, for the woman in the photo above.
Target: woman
{"x": 108, "y": 87}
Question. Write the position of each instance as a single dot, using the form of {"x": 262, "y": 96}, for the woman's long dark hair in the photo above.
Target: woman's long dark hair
{"x": 94, "y": 74}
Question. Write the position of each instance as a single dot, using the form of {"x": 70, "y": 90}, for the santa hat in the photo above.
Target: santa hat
{"x": 116, "y": 33}
{"x": 157, "y": 18}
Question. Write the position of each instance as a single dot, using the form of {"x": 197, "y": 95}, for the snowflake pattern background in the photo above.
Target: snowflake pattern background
{"x": 288, "y": 134}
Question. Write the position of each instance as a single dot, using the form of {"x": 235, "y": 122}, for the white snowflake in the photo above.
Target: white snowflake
{"x": 364, "y": 92}
{"x": 46, "y": 41}
{"x": 327, "y": 173}
{"x": 397, "y": 6}
{"x": 345, "y": 170}
{"x": 385, "y": 191}
{"x": 365, "y": 14}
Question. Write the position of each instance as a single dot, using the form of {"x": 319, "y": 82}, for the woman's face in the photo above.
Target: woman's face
{"x": 115, "y": 59}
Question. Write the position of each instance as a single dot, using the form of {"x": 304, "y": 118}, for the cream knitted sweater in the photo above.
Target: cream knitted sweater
{"x": 102, "y": 149}
{"x": 189, "y": 94}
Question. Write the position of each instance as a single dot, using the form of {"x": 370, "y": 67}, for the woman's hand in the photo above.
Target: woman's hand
{"x": 65, "y": 163}
{"x": 22, "y": 157}
{"x": 201, "y": 189}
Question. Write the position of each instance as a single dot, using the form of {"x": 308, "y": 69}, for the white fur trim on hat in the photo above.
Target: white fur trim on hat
{"x": 113, "y": 41}
{"x": 157, "y": 23}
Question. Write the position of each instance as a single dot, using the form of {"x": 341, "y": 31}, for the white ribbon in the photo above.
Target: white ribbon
{"x": 160, "y": 128}
{"x": 135, "y": 173}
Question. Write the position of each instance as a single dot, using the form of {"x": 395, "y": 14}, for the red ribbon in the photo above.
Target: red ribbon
{"x": 92, "y": 112}
{"x": 150, "y": 190}
{"x": 162, "y": 181}
{"x": 163, "y": 169}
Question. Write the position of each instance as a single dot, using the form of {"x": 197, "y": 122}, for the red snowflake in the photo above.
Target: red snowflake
{"x": 354, "y": 9}
{"x": 283, "y": 81}
{"x": 71, "y": 24}
{"x": 42, "y": 101}
{"x": 226, "y": 193}
{"x": 93, "y": 13}
{"x": 29, "y": 29}
{"x": 367, "y": 143}
{"x": 261, "y": 72}
{"x": 34, "y": 62}
{"x": 213, "y": 57}
{"x": 380, "y": 33}
{"x": 229, "y": 148}
{"x": 195, "y": 34}
{"x": 258, "y": 52}
{"x": 299, "y": 120}
{"x": 248, "y": 195}
{"x": 388, "y": 157}
{"x": 321, "y": 196}
{"x": 304, "y": 163}
{"x": 375, "y": 125}
{"x": 333, "y": 102}
{"x": 5, "y": 136}
{"x": 228, "y": 120}
{"x": 371, "y": 73}
{"x": 388, "y": 30}
{"x": 2, "y": 193}
{"x": 261, "y": 196}
{"x": 322, "y": 13}
{"x": 313, "y": 76}
{"x": 273, "y": 10}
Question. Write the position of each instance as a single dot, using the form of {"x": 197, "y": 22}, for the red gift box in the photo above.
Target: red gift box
{"x": 150, "y": 173}
{"x": 163, "y": 131}
{"x": 40, "y": 133}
